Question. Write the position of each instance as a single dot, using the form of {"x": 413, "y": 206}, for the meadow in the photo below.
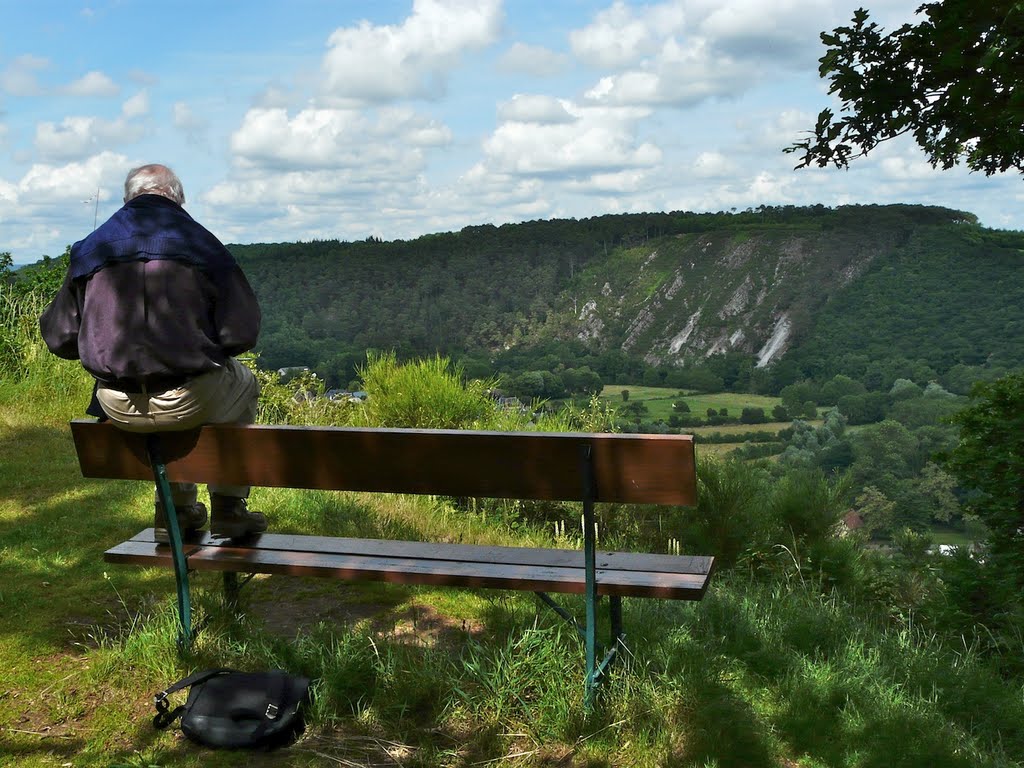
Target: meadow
{"x": 808, "y": 650}
{"x": 659, "y": 400}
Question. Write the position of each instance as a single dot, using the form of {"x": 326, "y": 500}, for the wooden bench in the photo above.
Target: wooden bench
{"x": 589, "y": 468}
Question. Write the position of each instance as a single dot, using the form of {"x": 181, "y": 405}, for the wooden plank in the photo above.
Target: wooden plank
{"x": 412, "y": 570}
{"x": 420, "y": 550}
{"x": 654, "y": 469}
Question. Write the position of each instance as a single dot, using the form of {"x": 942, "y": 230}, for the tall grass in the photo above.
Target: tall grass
{"x": 45, "y": 387}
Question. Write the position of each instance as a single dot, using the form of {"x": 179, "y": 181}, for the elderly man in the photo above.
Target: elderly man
{"x": 156, "y": 307}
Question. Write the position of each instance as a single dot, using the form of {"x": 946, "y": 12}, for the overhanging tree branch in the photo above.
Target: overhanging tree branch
{"x": 955, "y": 81}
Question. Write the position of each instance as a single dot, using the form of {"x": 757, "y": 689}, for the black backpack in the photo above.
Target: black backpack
{"x": 227, "y": 709}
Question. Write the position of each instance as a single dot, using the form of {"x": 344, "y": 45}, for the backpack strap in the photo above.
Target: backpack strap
{"x": 164, "y": 714}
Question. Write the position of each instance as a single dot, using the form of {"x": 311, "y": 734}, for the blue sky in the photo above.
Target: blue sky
{"x": 309, "y": 120}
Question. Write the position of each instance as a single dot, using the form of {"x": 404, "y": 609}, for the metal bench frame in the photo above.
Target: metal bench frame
{"x": 156, "y": 468}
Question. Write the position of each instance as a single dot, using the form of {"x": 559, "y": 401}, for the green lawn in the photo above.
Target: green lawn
{"x": 659, "y": 401}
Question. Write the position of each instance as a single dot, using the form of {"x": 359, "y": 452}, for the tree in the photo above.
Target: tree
{"x": 795, "y": 395}
{"x": 752, "y": 415}
{"x": 952, "y": 81}
{"x": 635, "y": 411}
{"x": 839, "y": 386}
{"x": 989, "y": 460}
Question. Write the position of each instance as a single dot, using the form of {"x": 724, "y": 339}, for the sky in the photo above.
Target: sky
{"x": 311, "y": 120}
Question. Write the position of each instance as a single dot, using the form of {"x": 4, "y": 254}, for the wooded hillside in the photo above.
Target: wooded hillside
{"x": 804, "y": 292}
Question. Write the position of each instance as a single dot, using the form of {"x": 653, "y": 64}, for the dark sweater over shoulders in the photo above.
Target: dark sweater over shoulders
{"x": 150, "y": 227}
{"x": 151, "y": 295}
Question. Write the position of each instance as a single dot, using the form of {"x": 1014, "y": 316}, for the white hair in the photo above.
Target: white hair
{"x": 153, "y": 180}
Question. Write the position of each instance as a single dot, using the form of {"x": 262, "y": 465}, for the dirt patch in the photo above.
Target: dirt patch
{"x": 424, "y": 626}
{"x": 292, "y": 606}
{"x": 289, "y": 607}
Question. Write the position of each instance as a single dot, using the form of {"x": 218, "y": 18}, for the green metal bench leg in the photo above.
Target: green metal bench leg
{"x": 615, "y": 613}
{"x": 231, "y": 590}
{"x": 590, "y": 572}
{"x": 185, "y": 635}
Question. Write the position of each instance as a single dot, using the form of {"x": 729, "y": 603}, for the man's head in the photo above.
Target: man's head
{"x": 153, "y": 180}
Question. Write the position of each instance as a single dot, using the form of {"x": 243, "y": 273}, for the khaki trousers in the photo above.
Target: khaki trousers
{"x": 226, "y": 395}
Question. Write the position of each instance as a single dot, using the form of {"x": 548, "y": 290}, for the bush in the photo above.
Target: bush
{"x": 729, "y": 519}
{"x": 753, "y": 416}
{"x": 806, "y": 505}
{"x": 423, "y": 394}
{"x": 989, "y": 461}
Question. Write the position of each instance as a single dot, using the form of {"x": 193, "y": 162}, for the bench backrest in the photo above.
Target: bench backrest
{"x": 651, "y": 469}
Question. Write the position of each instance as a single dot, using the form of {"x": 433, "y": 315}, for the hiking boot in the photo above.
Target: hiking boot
{"x": 230, "y": 517}
{"x": 191, "y": 517}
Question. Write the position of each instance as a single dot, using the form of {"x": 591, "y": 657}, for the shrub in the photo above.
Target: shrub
{"x": 426, "y": 394}
{"x": 729, "y": 518}
{"x": 753, "y": 416}
{"x": 807, "y": 506}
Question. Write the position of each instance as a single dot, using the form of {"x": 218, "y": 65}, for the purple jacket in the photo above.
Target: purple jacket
{"x": 151, "y": 296}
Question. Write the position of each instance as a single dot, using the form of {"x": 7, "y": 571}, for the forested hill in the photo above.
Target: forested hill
{"x": 800, "y": 292}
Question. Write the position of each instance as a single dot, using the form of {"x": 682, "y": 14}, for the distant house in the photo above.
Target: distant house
{"x": 343, "y": 395}
{"x": 852, "y": 521}
{"x": 290, "y": 372}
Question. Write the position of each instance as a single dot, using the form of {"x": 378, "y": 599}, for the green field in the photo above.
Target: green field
{"x": 659, "y": 401}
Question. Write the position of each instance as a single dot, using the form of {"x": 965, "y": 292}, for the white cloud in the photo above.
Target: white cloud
{"x": 619, "y": 183}
{"x": 337, "y": 138}
{"x": 27, "y": 223}
{"x": 748, "y": 29}
{"x": 598, "y": 140}
{"x": 683, "y": 52}
{"x": 620, "y": 36}
{"x": 8, "y": 194}
{"x": 369, "y": 63}
{"x": 73, "y": 181}
{"x": 79, "y": 136}
{"x": 19, "y": 78}
{"x": 277, "y": 95}
{"x": 92, "y": 84}
{"x": 535, "y": 60}
{"x": 526, "y": 108}
{"x": 346, "y": 202}
{"x": 911, "y": 166}
{"x": 713, "y": 165}
{"x": 136, "y": 106}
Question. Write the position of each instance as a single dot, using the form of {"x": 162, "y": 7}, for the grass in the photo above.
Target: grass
{"x": 659, "y": 400}
{"x": 773, "y": 668}
{"x": 758, "y": 674}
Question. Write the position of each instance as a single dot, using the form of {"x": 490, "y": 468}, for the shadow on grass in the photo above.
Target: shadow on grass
{"x": 54, "y": 531}
{"x": 19, "y": 747}
{"x": 781, "y": 671}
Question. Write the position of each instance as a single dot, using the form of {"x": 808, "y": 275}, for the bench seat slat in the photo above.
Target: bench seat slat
{"x": 540, "y": 556}
{"x": 520, "y": 569}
